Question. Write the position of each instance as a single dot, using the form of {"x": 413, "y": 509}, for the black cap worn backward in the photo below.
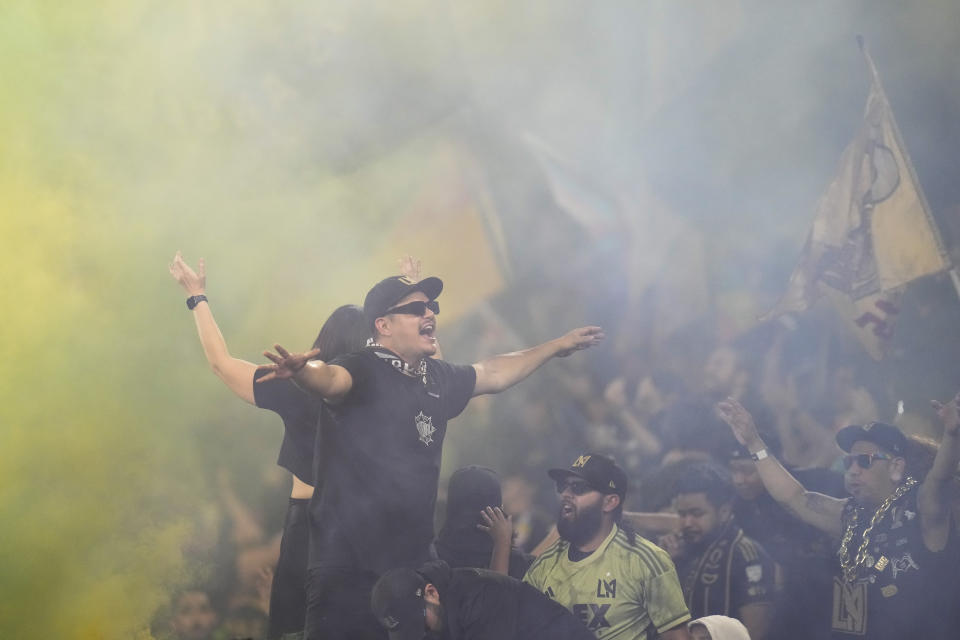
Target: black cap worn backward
{"x": 397, "y": 602}
{"x": 389, "y": 291}
{"x": 883, "y": 435}
{"x": 600, "y": 472}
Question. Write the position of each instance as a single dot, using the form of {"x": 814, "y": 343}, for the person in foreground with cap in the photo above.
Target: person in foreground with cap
{"x": 617, "y": 583}
{"x": 389, "y": 405}
{"x": 468, "y": 604}
{"x": 895, "y": 543}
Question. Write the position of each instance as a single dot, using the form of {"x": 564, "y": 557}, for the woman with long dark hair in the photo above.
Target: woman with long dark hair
{"x": 343, "y": 332}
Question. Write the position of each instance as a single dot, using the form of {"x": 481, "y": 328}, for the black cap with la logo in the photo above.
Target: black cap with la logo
{"x": 389, "y": 291}
{"x": 600, "y": 472}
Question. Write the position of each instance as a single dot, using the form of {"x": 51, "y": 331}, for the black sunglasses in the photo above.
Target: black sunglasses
{"x": 863, "y": 460}
{"x": 416, "y": 308}
{"x": 577, "y": 487}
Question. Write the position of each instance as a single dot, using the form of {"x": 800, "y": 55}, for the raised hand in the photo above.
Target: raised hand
{"x": 497, "y": 524}
{"x": 582, "y": 338}
{"x": 285, "y": 364}
{"x": 193, "y": 282}
{"x": 410, "y": 267}
{"x": 949, "y": 413}
{"x": 740, "y": 421}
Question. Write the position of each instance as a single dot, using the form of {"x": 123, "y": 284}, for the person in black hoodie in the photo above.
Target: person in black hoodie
{"x": 476, "y": 532}
{"x": 468, "y": 604}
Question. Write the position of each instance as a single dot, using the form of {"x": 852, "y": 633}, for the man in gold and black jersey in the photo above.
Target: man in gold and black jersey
{"x": 618, "y": 584}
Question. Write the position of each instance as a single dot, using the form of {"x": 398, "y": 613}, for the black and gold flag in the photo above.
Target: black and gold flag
{"x": 872, "y": 232}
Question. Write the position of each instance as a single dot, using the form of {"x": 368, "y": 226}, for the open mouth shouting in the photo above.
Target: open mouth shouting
{"x": 428, "y": 328}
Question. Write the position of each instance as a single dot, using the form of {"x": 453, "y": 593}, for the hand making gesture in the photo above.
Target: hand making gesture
{"x": 410, "y": 268}
{"x": 193, "y": 282}
{"x": 740, "y": 422}
{"x": 578, "y": 339}
{"x": 498, "y": 525}
{"x": 285, "y": 364}
{"x": 949, "y": 413}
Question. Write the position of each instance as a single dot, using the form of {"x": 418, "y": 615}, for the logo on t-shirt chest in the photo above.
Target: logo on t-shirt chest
{"x": 425, "y": 428}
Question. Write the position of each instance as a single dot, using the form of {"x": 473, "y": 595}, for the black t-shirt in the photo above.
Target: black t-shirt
{"x": 298, "y": 410}
{"x": 381, "y": 459}
{"x": 902, "y": 591}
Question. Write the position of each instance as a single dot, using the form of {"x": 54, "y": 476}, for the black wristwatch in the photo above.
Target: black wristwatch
{"x": 193, "y": 301}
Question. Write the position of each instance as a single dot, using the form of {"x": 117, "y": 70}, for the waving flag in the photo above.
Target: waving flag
{"x": 872, "y": 232}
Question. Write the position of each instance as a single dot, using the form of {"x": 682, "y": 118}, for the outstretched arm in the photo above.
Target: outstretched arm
{"x": 816, "y": 509}
{"x": 236, "y": 374}
{"x": 503, "y": 371}
{"x": 933, "y": 501}
{"x": 331, "y": 381}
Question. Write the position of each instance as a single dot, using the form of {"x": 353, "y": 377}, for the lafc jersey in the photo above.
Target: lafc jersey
{"x": 621, "y": 591}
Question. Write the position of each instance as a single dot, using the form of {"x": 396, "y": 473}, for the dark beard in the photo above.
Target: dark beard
{"x": 584, "y": 526}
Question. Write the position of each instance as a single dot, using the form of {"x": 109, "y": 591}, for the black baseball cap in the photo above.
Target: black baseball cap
{"x": 397, "y": 602}
{"x": 389, "y": 291}
{"x": 600, "y": 472}
{"x": 883, "y": 435}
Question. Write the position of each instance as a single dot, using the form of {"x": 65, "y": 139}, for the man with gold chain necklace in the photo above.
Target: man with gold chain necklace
{"x": 896, "y": 550}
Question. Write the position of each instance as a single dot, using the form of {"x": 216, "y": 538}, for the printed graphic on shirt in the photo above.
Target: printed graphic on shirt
{"x": 593, "y": 616}
{"x": 902, "y": 564}
{"x": 425, "y": 428}
{"x": 623, "y": 591}
{"x": 849, "y": 606}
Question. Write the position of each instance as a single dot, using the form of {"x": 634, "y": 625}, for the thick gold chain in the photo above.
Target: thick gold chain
{"x": 850, "y": 569}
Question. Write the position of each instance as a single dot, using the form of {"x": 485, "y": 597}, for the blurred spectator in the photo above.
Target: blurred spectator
{"x": 724, "y": 373}
{"x": 803, "y": 554}
{"x": 243, "y": 622}
{"x": 476, "y": 532}
{"x": 192, "y": 615}
{"x": 530, "y": 522}
{"x": 691, "y": 430}
{"x": 722, "y": 571}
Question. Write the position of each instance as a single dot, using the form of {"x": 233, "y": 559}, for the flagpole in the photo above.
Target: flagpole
{"x": 875, "y": 75}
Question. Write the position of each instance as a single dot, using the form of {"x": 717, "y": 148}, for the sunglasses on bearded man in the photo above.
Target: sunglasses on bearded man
{"x": 577, "y": 487}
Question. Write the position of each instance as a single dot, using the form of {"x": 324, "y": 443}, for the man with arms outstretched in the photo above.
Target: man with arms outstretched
{"x": 895, "y": 546}
{"x": 389, "y": 406}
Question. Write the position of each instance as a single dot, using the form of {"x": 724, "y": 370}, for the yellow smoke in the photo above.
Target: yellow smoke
{"x": 124, "y": 137}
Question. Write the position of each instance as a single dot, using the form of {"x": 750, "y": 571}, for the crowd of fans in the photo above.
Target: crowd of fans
{"x": 738, "y": 553}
